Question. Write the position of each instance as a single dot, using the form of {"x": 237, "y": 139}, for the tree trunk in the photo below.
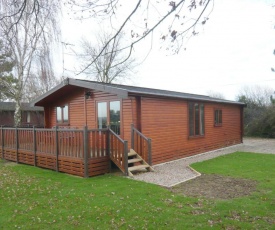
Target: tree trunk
{"x": 17, "y": 114}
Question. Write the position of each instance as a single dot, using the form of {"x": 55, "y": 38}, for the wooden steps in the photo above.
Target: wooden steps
{"x": 130, "y": 161}
{"x": 137, "y": 164}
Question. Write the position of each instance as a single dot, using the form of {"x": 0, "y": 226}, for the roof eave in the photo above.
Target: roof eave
{"x": 75, "y": 82}
{"x": 122, "y": 93}
{"x": 56, "y": 88}
{"x": 190, "y": 99}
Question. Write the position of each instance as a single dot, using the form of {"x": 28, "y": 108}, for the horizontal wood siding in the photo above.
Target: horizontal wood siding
{"x": 82, "y": 111}
{"x": 6, "y": 118}
{"x": 36, "y": 118}
{"x": 76, "y": 103}
{"x": 135, "y": 103}
{"x": 127, "y": 118}
{"x": 75, "y": 100}
{"x": 90, "y": 110}
{"x": 166, "y": 123}
{"x": 50, "y": 116}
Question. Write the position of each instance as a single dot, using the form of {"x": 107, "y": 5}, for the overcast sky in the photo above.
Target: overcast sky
{"x": 234, "y": 49}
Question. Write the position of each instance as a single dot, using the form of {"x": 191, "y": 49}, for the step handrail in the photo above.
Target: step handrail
{"x": 146, "y": 139}
{"x": 121, "y": 160}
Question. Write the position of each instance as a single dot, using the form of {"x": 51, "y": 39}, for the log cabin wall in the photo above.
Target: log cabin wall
{"x": 49, "y": 116}
{"x": 75, "y": 101}
{"x": 165, "y": 121}
{"x": 36, "y": 118}
{"x": 6, "y": 118}
{"x": 82, "y": 111}
{"x": 136, "y": 111}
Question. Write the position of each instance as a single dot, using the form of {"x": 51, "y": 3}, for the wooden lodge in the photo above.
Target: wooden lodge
{"x": 90, "y": 124}
{"x": 30, "y": 115}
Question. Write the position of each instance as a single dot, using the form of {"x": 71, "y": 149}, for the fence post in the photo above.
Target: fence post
{"x": 149, "y": 151}
{"x": 56, "y": 147}
{"x": 132, "y": 136}
{"x": 126, "y": 157}
{"x": 34, "y": 145}
{"x": 2, "y": 141}
{"x": 17, "y": 143}
{"x": 85, "y": 147}
{"x": 108, "y": 147}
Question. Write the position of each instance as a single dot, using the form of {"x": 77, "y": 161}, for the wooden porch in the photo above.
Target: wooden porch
{"x": 82, "y": 152}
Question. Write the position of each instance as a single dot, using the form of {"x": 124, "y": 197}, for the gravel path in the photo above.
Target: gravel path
{"x": 178, "y": 171}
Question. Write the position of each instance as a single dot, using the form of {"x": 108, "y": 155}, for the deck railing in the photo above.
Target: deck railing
{"x": 77, "y": 151}
{"x": 141, "y": 144}
{"x": 118, "y": 151}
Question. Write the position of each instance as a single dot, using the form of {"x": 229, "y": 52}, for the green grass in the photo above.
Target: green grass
{"x": 33, "y": 198}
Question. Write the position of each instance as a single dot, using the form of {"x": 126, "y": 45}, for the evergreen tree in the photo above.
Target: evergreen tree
{"x": 7, "y": 80}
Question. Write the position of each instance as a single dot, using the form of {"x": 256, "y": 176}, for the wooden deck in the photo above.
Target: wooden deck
{"x": 78, "y": 152}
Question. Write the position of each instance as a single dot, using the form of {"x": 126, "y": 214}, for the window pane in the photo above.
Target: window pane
{"x": 58, "y": 115}
{"x": 216, "y": 114}
{"x": 65, "y": 114}
{"x": 115, "y": 116}
{"x": 191, "y": 119}
{"x": 220, "y": 117}
{"x": 201, "y": 119}
{"x": 197, "y": 121}
{"x": 28, "y": 117}
{"x": 102, "y": 115}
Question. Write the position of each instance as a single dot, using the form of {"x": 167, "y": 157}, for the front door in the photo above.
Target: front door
{"x": 108, "y": 114}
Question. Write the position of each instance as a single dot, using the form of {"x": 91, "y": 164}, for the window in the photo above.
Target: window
{"x": 28, "y": 117}
{"x": 217, "y": 117}
{"x": 196, "y": 119}
{"x": 62, "y": 114}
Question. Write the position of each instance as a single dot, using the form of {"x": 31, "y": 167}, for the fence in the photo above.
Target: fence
{"x": 79, "y": 152}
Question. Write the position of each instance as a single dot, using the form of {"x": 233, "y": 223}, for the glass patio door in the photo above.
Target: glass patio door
{"x": 108, "y": 114}
{"x": 102, "y": 115}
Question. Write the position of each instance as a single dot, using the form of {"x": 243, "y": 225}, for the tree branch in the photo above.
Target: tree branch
{"x": 120, "y": 29}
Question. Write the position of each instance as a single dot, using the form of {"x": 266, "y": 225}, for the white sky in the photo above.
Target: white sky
{"x": 234, "y": 49}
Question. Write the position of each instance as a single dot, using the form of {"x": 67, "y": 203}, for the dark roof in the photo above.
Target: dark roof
{"x": 10, "y": 106}
{"x": 124, "y": 90}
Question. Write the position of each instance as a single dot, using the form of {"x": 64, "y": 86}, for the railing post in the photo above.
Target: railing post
{"x": 85, "y": 147}
{"x": 132, "y": 136}
{"x": 149, "y": 151}
{"x": 2, "y": 141}
{"x": 16, "y": 143}
{"x": 108, "y": 147}
{"x": 126, "y": 157}
{"x": 56, "y": 148}
{"x": 34, "y": 145}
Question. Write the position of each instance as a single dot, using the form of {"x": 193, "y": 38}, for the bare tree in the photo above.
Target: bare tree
{"x": 256, "y": 95}
{"x": 26, "y": 26}
{"x": 110, "y": 66}
{"x": 174, "y": 20}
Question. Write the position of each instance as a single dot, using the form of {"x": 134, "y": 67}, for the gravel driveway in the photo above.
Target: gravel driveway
{"x": 178, "y": 171}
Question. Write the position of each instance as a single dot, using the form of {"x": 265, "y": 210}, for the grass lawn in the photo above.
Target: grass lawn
{"x": 33, "y": 198}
